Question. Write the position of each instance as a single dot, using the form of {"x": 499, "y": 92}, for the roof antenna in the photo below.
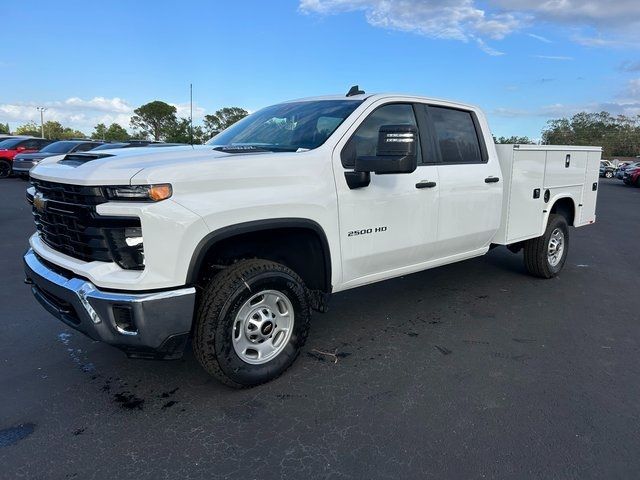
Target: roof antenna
{"x": 355, "y": 90}
{"x": 191, "y": 114}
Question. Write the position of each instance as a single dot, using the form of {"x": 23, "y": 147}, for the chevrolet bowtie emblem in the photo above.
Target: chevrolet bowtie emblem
{"x": 39, "y": 202}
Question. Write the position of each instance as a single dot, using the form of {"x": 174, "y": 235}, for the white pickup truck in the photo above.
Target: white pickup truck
{"x": 234, "y": 243}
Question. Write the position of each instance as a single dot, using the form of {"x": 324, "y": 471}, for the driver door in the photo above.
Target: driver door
{"x": 388, "y": 226}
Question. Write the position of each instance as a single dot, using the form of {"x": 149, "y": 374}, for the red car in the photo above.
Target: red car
{"x": 11, "y": 147}
{"x": 631, "y": 176}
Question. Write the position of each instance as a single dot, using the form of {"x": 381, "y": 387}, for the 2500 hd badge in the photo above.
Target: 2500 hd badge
{"x": 365, "y": 231}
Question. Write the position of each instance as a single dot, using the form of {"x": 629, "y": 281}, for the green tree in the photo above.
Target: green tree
{"x": 53, "y": 130}
{"x": 179, "y": 132}
{"x": 99, "y": 132}
{"x": 223, "y": 118}
{"x": 56, "y": 131}
{"x": 116, "y": 133}
{"x": 4, "y": 128}
{"x": 514, "y": 140}
{"x": 154, "y": 118}
{"x": 28, "y": 129}
{"x": 617, "y": 135}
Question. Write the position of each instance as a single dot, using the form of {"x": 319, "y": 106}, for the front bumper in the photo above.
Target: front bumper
{"x": 145, "y": 325}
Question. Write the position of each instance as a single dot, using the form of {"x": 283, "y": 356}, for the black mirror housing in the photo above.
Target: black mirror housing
{"x": 396, "y": 152}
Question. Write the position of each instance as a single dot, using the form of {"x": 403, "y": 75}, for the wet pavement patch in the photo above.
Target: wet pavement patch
{"x": 128, "y": 401}
{"x": 11, "y": 436}
{"x": 169, "y": 393}
{"x": 443, "y": 350}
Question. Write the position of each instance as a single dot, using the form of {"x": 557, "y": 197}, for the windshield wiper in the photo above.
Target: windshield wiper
{"x": 240, "y": 149}
{"x": 253, "y": 148}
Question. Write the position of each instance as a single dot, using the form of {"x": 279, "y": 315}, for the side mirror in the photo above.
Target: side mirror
{"x": 20, "y": 149}
{"x": 396, "y": 152}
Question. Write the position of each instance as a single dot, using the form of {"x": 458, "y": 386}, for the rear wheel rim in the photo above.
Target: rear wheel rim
{"x": 263, "y": 326}
{"x": 555, "y": 249}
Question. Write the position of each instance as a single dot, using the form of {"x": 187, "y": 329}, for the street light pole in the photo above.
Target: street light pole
{"x": 41, "y": 110}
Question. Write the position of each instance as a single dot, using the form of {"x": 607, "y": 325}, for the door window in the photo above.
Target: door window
{"x": 364, "y": 141}
{"x": 83, "y": 147}
{"x": 31, "y": 144}
{"x": 456, "y": 135}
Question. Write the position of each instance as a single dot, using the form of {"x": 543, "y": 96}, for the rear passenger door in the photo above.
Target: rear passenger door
{"x": 469, "y": 182}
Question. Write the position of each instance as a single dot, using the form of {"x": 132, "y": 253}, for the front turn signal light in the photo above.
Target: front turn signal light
{"x": 160, "y": 192}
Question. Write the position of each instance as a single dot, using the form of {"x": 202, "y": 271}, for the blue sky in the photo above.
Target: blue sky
{"x": 522, "y": 61}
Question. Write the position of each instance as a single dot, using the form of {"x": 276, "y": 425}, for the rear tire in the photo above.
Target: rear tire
{"x": 253, "y": 320}
{"x": 545, "y": 256}
{"x": 5, "y": 168}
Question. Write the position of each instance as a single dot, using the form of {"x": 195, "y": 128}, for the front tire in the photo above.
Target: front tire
{"x": 253, "y": 320}
{"x": 545, "y": 256}
{"x": 5, "y": 169}
{"x": 608, "y": 174}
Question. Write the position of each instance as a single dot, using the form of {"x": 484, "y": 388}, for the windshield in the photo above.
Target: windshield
{"x": 59, "y": 147}
{"x": 10, "y": 143}
{"x": 287, "y": 126}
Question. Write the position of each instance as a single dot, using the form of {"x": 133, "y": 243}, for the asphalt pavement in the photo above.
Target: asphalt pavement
{"x": 474, "y": 370}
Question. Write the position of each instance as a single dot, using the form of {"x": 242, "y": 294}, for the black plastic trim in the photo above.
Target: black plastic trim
{"x": 212, "y": 238}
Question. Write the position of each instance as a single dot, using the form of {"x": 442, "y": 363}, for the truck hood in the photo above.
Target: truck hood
{"x": 117, "y": 166}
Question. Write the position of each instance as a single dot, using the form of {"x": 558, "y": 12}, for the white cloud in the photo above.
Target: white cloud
{"x": 447, "y": 19}
{"x": 82, "y": 114}
{"x": 596, "y": 13}
{"x": 487, "y": 49}
{"x": 539, "y": 37}
{"x": 598, "y": 41}
{"x": 478, "y": 21}
{"x": 98, "y": 103}
{"x": 628, "y": 103}
{"x": 630, "y": 66}
{"x": 184, "y": 110}
{"x": 632, "y": 90}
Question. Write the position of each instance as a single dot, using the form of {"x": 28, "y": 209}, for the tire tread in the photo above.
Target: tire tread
{"x": 216, "y": 293}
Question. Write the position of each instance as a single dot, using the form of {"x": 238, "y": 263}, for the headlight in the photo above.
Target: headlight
{"x": 153, "y": 193}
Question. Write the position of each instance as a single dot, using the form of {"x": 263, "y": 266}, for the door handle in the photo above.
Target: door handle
{"x": 425, "y": 184}
{"x": 491, "y": 180}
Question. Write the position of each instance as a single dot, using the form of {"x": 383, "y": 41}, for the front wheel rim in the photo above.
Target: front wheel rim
{"x": 555, "y": 249}
{"x": 263, "y": 327}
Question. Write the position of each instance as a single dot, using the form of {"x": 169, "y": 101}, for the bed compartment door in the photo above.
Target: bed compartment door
{"x": 565, "y": 168}
{"x": 589, "y": 192}
{"x": 526, "y": 204}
